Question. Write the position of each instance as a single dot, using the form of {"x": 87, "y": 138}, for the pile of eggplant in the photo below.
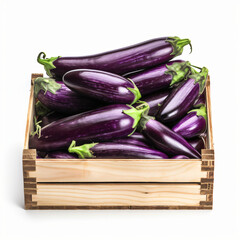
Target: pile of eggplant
{"x": 134, "y": 102}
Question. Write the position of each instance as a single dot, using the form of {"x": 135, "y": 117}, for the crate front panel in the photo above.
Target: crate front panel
{"x": 145, "y": 170}
{"x": 117, "y": 194}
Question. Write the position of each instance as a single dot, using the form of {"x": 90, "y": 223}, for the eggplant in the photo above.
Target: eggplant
{"x": 58, "y": 97}
{"x": 179, "y": 157}
{"x": 61, "y": 155}
{"x": 193, "y": 124}
{"x": 102, "y": 124}
{"x": 165, "y": 139}
{"x": 100, "y": 85}
{"x": 181, "y": 100}
{"x": 161, "y": 77}
{"x": 135, "y": 139}
{"x": 41, "y": 110}
{"x": 130, "y": 141}
{"x": 41, "y": 154}
{"x": 51, "y": 117}
{"x": 140, "y": 56}
{"x": 201, "y": 100}
{"x": 138, "y": 136}
{"x": 198, "y": 143}
{"x": 115, "y": 150}
{"x": 154, "y": 100}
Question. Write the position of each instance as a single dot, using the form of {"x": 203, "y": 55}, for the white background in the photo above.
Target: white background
{"x": 86, "y": 27}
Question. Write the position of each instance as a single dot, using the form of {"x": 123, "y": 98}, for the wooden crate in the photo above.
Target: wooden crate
{"x": 118, "y": 183}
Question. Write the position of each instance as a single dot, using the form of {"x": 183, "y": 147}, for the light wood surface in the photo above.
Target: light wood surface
{"x": 31, "y": 111}
{"x": 209, "y": 114}
{"x": 118, "y": 171}
{"x": 118, "y": 194}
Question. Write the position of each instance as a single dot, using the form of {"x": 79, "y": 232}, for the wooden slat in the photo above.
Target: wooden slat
{"x": 29, "y": 126}
{"x": 118, "y": 171}
{"x": 209, "y": 114}
{"x": 118, "y": 194}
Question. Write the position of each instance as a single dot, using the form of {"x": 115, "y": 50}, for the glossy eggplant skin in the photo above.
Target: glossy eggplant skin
{"x": 154, "y": 79}
{"x": 190, "y": 126}
{"x": 102, "y": 124}
{"x": 130, "y": 141}
{"x": 140, "y": 137}
{"x": 139, "y": 56}
{"x": 103, "y": 86}
{"x": 66, "y": 101}
{"x": 51, "y": 117}
{"x": 201, "y": 100}
{"x": 154, "y": 100}
{"x": 166, "y": 140}
{"x": 119, "y": 150}
{"x": 61, "y": 155}
{"x": 198, "y": 143}
{"x": 179, "y": 157}
{"x": 179, "y": 102}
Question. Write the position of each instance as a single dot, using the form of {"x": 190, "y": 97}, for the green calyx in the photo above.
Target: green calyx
{"x": 200, "y": 78}
{"x": 45, "y": 84}
{"x": 136, "y": 113}
{"x": 47, "y": 62}
{"x": 202, "y": 111}
{"x": 135, "y": 91}
{"x": 142, "y": 123}
{"x": 41, "y": 110}
{"x": 37, "y": 127}
{"x": 178, "y": 45}
{"x": 179, "y": 71}
{"x": 82, "y": 151}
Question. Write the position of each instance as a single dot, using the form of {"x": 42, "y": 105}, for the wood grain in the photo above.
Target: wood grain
{"x": 118, "y": 171}
{"x": 135, "y": 194}
{"x": 209, "y": 114}
{"x": 31, "y": 111}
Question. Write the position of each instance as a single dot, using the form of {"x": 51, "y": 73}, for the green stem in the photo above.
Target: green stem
{"x": 136, "y": 113}
{"x": 82, "y": 151}
{"x": 179, "y": 71}
{"x": 196, "y": 67}
{"x": 200, "y": 78}
{"x": 142, "y": 124}
{"x": 37, "y": 127}
{"x": 47, "y": 62}
{"x": 178, "y": 45}
{"x": 46, "y": 84}
{"x": 135, "y": 91}
{"x": 41, "y": 110}
{"x": 202, "y": 111}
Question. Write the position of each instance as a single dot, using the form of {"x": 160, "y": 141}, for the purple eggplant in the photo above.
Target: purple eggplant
{"x": 103, "y": 124}
{"x": 130, "y": 141}
{"x": 140, "y": 56}
{"x": 101, "y": 85}
{"x": 181, "y": 99}
{"x": 161, "y": 77}
{"x": 201, "y": 100}
{"x": 179, "y": 157}
{"x": 56, "y": 96}
{"x": 154, "y": 100}
{"x": 115, "y": 150}
{"x": 134, "y": 139}
{"x": 198, "y": 143}
{"x": 51, "y": 117}
{"x": 193, "y": 124}
{"x": 165, "y": 139}
{"x": 61, "y": 155}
